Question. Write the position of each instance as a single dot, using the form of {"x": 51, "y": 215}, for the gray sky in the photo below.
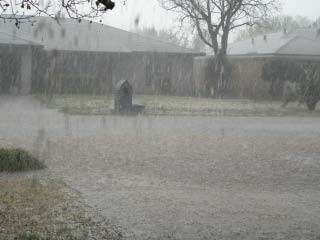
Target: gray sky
{"x": 151, "y": 13}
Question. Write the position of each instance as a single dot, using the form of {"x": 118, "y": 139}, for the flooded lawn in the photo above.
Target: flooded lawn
{"x": 180, "y": 177}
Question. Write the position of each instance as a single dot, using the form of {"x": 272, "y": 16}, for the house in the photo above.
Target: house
{"x": 248, "y": 57}
{"x": 90, "y": 58}
{"x": 15, "y": 63}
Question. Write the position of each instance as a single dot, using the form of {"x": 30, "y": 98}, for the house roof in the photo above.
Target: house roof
{"x": 69, "y": 34}
{"x": 6, "y": 38}
{"x": 301, "y": 42}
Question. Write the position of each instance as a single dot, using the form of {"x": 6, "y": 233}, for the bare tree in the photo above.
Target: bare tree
{"x": 198, "y": 44}
{"x": 213, "y": 21}
{"x": 22, "y": 11}
{"x": 165, "y": 35}
{"x": 278, "y": 23}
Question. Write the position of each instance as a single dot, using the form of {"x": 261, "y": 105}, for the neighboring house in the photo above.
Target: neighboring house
{"x": 89, "y": 58}
{"x": 15, "y": 63}
{"x": 249, "y": 56}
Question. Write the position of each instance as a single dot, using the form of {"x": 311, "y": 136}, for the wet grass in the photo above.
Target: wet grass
{"x": 183, "y": 106}
{"x": 37, "y": 209}
{"x": 29, "y": 236}
{"x": 17, "y": 160}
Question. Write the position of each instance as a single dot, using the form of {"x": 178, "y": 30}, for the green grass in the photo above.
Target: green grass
{"x": 34, "y": 209}
{"x": 29, "y": 236}
{"x": 173, "y": 105}
{"x": 17, "y": 159}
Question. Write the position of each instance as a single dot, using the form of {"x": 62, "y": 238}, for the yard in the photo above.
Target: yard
{"x": 42, "y": 208}
{"x": 183, "y": 106}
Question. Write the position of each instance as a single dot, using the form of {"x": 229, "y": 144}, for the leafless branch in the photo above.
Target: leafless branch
{"x": 219, "y": 17}
{"x": 24, "y": 11}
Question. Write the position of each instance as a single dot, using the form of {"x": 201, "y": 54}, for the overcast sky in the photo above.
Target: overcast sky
{"x": 151, "y": 14}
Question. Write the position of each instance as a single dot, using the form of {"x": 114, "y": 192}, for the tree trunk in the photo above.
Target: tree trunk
{"x": 219, "y": 80}
{"x": 221, "y": 69}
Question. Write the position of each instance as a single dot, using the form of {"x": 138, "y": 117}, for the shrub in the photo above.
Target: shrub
{"x": 310, "y": 87}
{"x": 14, "y": 160}
{"x": 305, "y": 75}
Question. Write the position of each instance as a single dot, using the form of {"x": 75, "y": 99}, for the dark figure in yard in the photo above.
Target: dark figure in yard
{"x": 108, "y": 4}
{"x": 123, "y": 97}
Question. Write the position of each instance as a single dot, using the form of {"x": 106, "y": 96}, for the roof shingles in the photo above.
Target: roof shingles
{"x": 300, "y": 42}
{"x": 69, "y": 34}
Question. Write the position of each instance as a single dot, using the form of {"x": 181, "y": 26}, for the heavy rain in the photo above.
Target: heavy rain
{"x": 162, "y": 119}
